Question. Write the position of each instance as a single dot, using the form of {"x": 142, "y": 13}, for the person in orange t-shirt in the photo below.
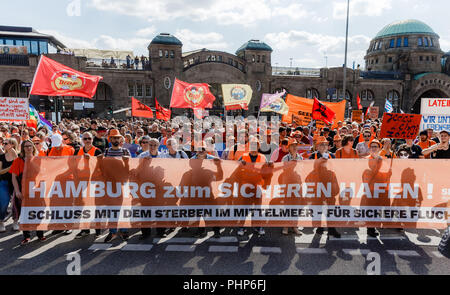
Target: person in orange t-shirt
{"x": 347, "y": 151}
{"x": 58, "y": 149}
{"x": 425, "y": 142}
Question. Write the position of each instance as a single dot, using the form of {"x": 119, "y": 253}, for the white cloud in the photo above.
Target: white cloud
{"x": 242, "y": 12}
{"x": 137, "y": 45}
{"x": 193, "y": 41}
{"x": 146, "y": 32}
{"x": 361, "y": 8}
{"x": 314, "y": 47}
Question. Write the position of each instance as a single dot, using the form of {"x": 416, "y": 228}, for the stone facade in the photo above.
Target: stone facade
{"x": 404, "y": 74}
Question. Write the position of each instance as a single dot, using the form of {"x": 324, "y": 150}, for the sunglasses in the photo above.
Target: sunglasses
{"x": 87, "y": 138}
{"x": 65, "y": 138}
{"x": 144, "y": 142}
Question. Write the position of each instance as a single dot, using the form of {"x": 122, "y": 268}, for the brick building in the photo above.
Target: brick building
{"x": 404, "y": 63}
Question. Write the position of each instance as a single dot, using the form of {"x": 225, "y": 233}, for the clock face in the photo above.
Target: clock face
{"x": 167, "y": 83}
{"x": 258, "y": 85}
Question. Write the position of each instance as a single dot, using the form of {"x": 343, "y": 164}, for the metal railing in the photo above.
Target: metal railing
{"x": 14, "y": 60}
{"x": 288, "y": 71}
{"x": 118, "y": 64}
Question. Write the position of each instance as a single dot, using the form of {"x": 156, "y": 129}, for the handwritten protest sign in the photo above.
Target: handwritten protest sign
{"x": 357, "y": 116}
{"x": 400, "y": 126}
{"x": 14, "y": 109}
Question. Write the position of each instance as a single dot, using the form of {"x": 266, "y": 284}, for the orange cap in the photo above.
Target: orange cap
{"x": 321, "y": 139}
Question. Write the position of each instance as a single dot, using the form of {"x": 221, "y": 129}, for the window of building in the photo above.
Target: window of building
{"x": 230, "y": 61}
{"x": 376, "y": 61}
{"x": 399, "y": 42}
{"x": 405, "y": 42}
{"x": 160, "y": 53}
{"x": 240, "y": 66}
{"x": 312, "y": 93}
{"x": 264, "y": 59}
{"x": 172, "y": 54}
{"x": 139, "y": 89}
{"x": 166, "y": 53}
{"x": 213, "y": 58}
{"x": 431, "y": 42}
{"x": 425, "y": 41}
{"x": 427, "y": 58}
{"x": 390, "y": 59}
{"x": 421, "y": 58}
{"x": 19, "y": 42}
{"x": 148, "y": 90}
{"x": 43, "y": 47}
{"x": 433, "y": 58}
{"x": 367, "y": 95}
{"x": 379, "y": 45}
{"x": 235, "y": 63}
{"x": 28, "y": 45}
{"x": 420, "y": 41}
{"x": 130, "y": 89}
{"x": 34, "y": 47}
{"x": 219, "y": 58}
{"x": 394, "y": 97}
{"x": 9, "y": 42}
{"x": 258, "y": 58}
{"x": 253, "y": 58}
{"x": 391, "y": 44}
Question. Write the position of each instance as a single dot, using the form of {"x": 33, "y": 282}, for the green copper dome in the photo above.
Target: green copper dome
{"x": 254, "y": 45}
{"x": 166, "y": 39}
{"x": 406, "y": 27}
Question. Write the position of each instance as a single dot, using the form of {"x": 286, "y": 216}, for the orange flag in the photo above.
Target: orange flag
{"x": 138, "y": 109}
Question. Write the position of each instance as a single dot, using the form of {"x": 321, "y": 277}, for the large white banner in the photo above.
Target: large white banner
{"x": 435, "y": 114}
{"x": 435, "y": 106}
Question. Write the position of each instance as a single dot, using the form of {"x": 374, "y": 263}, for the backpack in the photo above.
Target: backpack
{"x": 444, "y": 245}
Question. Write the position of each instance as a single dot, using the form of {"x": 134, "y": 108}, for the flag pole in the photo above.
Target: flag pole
{"x": 346, "y": 49}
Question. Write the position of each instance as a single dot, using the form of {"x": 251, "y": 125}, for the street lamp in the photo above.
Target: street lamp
{"x": 346, "y": 46}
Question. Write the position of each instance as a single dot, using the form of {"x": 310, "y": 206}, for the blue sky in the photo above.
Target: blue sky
{"x": 305, "y": 30}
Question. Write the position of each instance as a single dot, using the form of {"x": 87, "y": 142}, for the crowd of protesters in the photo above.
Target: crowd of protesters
{"x": 158, "y": 139}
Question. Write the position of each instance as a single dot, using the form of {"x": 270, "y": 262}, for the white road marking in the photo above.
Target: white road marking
{"x": 223, "y": 240}
{"x": 180, "y": 248}
{"x": 95, "y": 247}
{"x": 403, "y": 253}
{"x": 228, "y": 249}
{"x": 45, "y": 246}
{"x": 74, "y": 252}
{"x": 266, "y": 250}
{"x": 355, "y": 252}
{"x": 312, "y": 251}
{"x": 176, "y": 241}
{"x": 10, "y": 237}
{"x": 308, "y": 239}
{"x": 118, "y": 247}
{"x": 438, "y": 254}
{"x": 413, "y": 237}
{"x": 136, "y": 247}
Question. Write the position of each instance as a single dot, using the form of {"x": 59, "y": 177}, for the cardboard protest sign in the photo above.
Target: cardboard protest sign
{"x": 400, "y": 126}
{"x": 357, "y": 116}
{"x": 79, "y": 193}
{"x": 14, "y": 109}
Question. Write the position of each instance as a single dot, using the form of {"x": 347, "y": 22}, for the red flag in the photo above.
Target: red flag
{"x": 162, "y": 113}
{"x": 243, "y": 106}
{"x": 321, "y": 112}
{"x": 55, "y": 79}
{"x": 185, "y": 95}
{"x": 358, "y": 100}
{"x": 368, "y": 109}
{"x": 138, "y": 109}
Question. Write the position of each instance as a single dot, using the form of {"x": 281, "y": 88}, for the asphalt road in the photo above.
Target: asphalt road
{"x": 409, "y": 252}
